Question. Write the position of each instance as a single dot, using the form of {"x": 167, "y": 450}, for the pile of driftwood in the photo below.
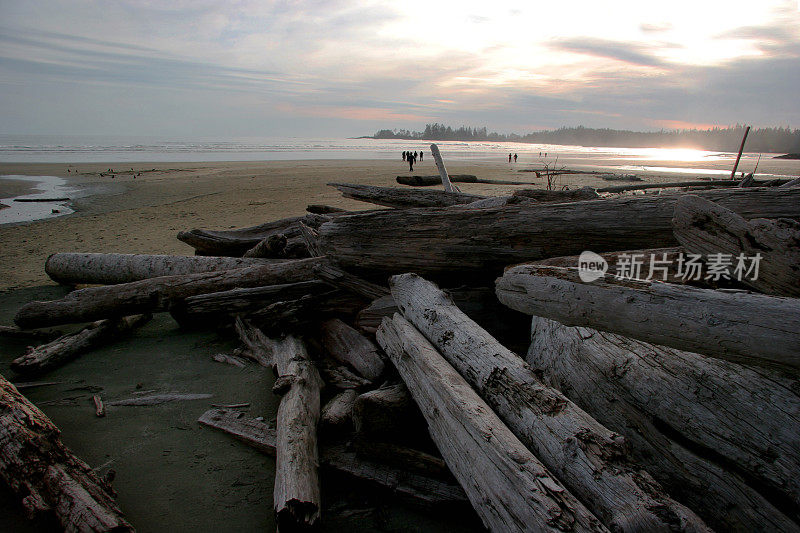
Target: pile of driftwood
{"x": 639, "y": 405}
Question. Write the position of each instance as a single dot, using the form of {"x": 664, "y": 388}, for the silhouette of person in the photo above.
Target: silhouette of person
{"x": 415, "y": 154}
{"x": 515, "y": 158}
{"x": 420, "y": 155}
{"x": 410, "y": 162}
{"x": 509, "y": 158}
{"x": 404, "y": 155}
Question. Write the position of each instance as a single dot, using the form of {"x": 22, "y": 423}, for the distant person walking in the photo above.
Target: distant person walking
{"x": 509, "y": 158}
{"x": 515, "y": 158}
{"x": 404, "y": 155}
{"x": 410, "y": 162}
{"x": 415, "y": 155}
{"x": 420, "y": 155}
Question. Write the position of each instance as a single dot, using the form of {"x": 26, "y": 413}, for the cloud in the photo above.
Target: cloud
{"x": 656, "y": 28}
{"x": 626, "y": 52}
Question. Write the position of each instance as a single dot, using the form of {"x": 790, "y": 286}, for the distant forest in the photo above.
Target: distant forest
{"x": 777, "y": 140}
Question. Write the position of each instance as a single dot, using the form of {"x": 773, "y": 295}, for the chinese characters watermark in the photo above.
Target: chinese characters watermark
{"x": 685, "y": 266}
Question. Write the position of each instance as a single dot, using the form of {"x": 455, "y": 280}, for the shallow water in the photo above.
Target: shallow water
{"x": 46, "y": 187}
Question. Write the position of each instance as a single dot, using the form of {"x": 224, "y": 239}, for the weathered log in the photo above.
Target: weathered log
{"x": 350, "y": 347}
{"x": 156, "y": 294}
{"x": 629, "y": 385}
{"x": 297, "y": 492}
{"x": 506, "y": 484}
{"x": 272, "y": 246}
{"x": 706, "y": 228}
{"x": 445, "y": 177}
{"x": 198, "y": 311}
{"x": 310, "y": 239}
{"x": 748, "y": 181}
{"x": 320, "y": 209}
{"x": 339, "y": 376}
{"x": 480, "y": 242}
{"x": 587, "y": 457}
{"x": 337, "y": 415}
{"x": 672, "y": 184}
{"x": 339, "y": 278}
{"x": 46, "y": 357}
{"x": 51, "y": 482}
{"x": 736, "y": 326}
{"x": 259, "y": 346}
{"x": 369, "y": 318}
{"x": 294, "y": 315}
{"x": 569, "y": 195}
{"x": 108, "y": 269}
{"x": 236, "y": 242}
{"x": 427, "y": 181}
{"x": 410, "y": 485}
{"x": 158, "y": 399}
{"x": 791, "y": 183}
{"x": 394, "y": 197}
{"x": 388, "y": 414}
{"x": 14, "y": 332}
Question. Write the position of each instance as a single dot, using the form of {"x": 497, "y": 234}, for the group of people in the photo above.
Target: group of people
{"x": 411, "y": 157}
{"x": 509, "y": 158}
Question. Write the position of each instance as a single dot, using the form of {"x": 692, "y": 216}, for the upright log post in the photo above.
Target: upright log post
{"x": 739, "y": 155}
{"x": 449, "y": 187}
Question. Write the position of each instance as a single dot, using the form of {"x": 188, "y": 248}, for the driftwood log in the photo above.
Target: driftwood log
{"x": 350, "y": 347}
{"x": 673, "y": 184}
{"x": 43, "y": 358}
{"x": 412, "y": 486}
{"x": 15, "y": 332}
{"x": 388, "y": 414}
{"x": 736, "y": 326}
{"x": 297, "y": 491}
{"x": 297, "y": 315}
{"x": 234, "y": 243}
{"x": 339, "y": 278}
{"x": 569, "y": 195}
{"x": 107, "y": 269}
{"x": 706, "y": 228}
{"x": 630, "y": 386}
{"x": 587, "y": 457}
{"x": 507, "y": 485}
{"x": 258, "y": 347}
{"x": 481, "y": 242}
{"x": 53, "y": 484}
{"x": 394, "y": 197}
{"x": 427, "y": 181}
{"x": 337, "y": 414}
{"x": 156, "y": 294}
{"x": 622, "y": 260}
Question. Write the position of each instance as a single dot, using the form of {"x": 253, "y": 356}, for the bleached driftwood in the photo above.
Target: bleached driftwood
{"x": 50, "y": 481}
{"x": 443, "y": 175}
{"x": 507, "y": 485}
{"x": 156, "y": 294}
{"x": 587, "y": 457}
{"x": 259, "y": 346}
{"x": 415, "y": 487}
{"x": 628, "y": 384}
{"x": 350, "y": 347}
{"x": 297, "y": 491}
{"x": 736, "y": 326}
{"x": 706, "y": 228}
{"x": 395, "y": 197}
{"x": 337, "y": 414}
{"x": 568, "y": 195}
{"x": 481, "y": 242}
{"x": 108, "y": 269}
{"x": 46, "y": 357}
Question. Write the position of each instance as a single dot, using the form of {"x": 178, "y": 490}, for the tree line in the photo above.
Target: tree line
{"x": 777, "y": 140}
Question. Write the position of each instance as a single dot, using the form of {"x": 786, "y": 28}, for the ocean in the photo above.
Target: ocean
{"x": 119, "y": 149}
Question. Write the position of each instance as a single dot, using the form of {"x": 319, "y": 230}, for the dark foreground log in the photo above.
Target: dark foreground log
{"x": 156, "y": 294}
{"x": 736, "y": 326}
{"x": 53, "y": 485}
{"x": 234, "y": 243}
{"x": 107, "y": 269}
{"x": 569, "y": 195}
{"x": 40, "y": 359}
{"x": 427, "y": 181}
{"x": 297, "y": 315}
{"x": 674, "y": 184}
{"x": 480, "y": 242}
{"x": 388, "y": 414}
{"x": 506, "y": 484}
{"x": 628, "y": 385}
{"x": 706, "y": 228}
{"x": 587, "y": 457}
{"x": 297, "y": 491}
{"x": 393, "y": 197}
{"x": 414, "y": 487}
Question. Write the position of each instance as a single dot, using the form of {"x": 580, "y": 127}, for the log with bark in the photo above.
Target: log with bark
{"x": 590, "y": 460}
{"x": 412, "y": 486}
{"x": 297, "y": 491}
{"x": 427, "y": 181}
{"x": 198, "y": 311}
{"x": 388, "y": 414}
{"x": 506, "y": 484}
{"x": 15, "y": 332}
{"x": 46, "y": 357}
{"x": 350, "y": 347}
{"x": 480, "y": 242}
{"x": 394, "y": 197}
{"x": 568, "y": 195}
{"x": 337, "y": 414}
{"x": 52, "y": 483}
{"x": 321, "y": 209}
{"x": 297, "y": 315}
{"x": 631, "y": 386}
{"x": 156, "y": 294}
{"x": 258, "y": 346}
{"x": 234, "y": 243}
{"x": 736, "y": 326}
{"x": 706, "y": 228}
{"x": 108, "y": 269}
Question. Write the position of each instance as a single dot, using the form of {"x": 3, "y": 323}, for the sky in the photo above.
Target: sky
{"x": 199, "y": 68}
